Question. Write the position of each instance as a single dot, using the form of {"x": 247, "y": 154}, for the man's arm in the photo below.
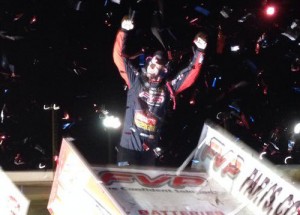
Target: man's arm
{"x": 119, "y": 58}
{"x": 188, "y": 75}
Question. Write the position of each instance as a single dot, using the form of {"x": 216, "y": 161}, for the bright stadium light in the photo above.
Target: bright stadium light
{"x": 110, "y": 121}
{"x": 235, "y": 48}
{"x": 297, "y": 128}
{"x": 270, "y": 10}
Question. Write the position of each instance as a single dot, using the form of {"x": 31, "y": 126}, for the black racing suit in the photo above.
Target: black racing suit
{"x": 146, "y": 106}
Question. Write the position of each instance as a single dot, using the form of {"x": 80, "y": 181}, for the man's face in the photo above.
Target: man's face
{"x": 154, "y": 69}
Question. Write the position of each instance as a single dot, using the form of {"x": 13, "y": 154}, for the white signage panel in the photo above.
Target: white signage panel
{"x": 236, "y": 167}
{"x": 160, "y": 191}
{"x": 12, "y": 200}
{"x": 76, "y": 190}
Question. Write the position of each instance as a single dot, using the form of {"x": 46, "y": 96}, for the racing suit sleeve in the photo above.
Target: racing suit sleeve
{"x": 187, "y": 76}
{"x": 121, "y": 60}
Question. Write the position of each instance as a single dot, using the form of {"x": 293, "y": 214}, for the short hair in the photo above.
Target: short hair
{"x": 161, "y": 57}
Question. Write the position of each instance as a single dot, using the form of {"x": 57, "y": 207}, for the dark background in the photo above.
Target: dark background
{"x": 60, "y": 52}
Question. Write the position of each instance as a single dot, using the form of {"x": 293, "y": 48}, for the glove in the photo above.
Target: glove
{"x": 127, "y": 24}
{"x": 200, "y": 41}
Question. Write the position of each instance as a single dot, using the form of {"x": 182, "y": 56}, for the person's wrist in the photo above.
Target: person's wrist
{"x": 200, "y": 49}
{"x": 125, "y": 30}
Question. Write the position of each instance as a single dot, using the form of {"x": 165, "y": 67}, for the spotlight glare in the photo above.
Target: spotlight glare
{"x": 235, "y": 48}
{"x": 297, "y": 128}
{"x": 111, "y": 122}
{"x": 270, "y": 10}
